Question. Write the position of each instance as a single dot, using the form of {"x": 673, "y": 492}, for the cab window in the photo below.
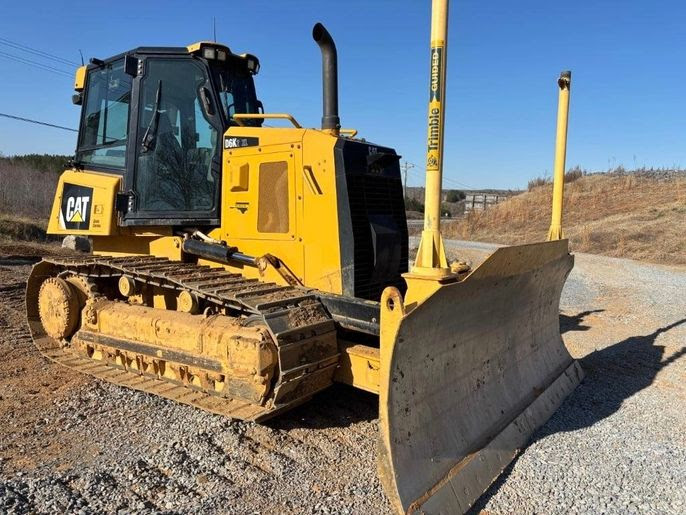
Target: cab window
{"x": 103, "y": 137}
{"x": 236, "y": 90}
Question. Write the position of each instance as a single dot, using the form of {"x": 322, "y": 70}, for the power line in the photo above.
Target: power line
{"x": 38, "y": 122}
{"x": 458, "y": 183}
{"x": 35, "y": 51}
{"x": 422, "y": 172}
{"x": 35, "y": 64}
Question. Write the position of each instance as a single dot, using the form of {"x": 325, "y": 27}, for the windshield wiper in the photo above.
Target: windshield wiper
{"x": 224, "y": 90}
{"x": 150, "y": 136}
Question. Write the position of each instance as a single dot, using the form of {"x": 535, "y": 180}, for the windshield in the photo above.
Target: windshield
{"x": 236, "y": 91}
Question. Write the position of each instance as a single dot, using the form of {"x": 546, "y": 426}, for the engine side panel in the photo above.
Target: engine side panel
{"x": 279, "y": 197}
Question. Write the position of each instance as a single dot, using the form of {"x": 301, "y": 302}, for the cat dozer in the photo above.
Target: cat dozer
{"x": 242, "y": 268}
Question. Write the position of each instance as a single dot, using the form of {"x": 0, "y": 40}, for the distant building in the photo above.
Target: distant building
{"x": 475, "y": 200}
{"x": 480, "y": 200}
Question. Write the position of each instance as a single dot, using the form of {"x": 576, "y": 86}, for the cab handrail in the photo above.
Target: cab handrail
{"x": 265, "y": 116}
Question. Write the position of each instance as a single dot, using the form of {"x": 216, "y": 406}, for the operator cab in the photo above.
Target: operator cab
{"x": 156, "y": 116}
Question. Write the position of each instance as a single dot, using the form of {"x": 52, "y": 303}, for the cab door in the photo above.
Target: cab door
{"x": 176, "y": 157}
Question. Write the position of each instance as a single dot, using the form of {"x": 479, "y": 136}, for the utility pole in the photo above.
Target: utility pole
{"x": 405, "y": 166}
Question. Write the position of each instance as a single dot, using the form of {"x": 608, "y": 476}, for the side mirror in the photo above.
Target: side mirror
{"x": 260, "y": 107}
{"x": 206, "y": 100}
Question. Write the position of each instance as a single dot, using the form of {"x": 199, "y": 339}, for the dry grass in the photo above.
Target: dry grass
{"x": 624, "y": 216}
{"x": 25, "y": 191}
{"x": 26, "y": 196}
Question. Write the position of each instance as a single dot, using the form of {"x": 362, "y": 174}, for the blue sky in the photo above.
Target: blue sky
{"x": 627, "y": 58}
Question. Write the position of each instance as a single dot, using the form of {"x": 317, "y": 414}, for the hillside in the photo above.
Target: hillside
{"x": 633, "y": 215}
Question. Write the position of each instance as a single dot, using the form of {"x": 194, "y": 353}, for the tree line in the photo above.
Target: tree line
{"x": 51, "y": 163}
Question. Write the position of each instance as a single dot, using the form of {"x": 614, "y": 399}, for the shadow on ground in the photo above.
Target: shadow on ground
{"x": 337, "y": 406}
{"x": 613, "y": 374}
{"x": 575, "y": 322}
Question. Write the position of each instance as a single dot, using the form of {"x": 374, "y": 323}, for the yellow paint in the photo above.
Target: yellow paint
{"x": 564, "y": 83}
{"x": 392, "y": 314}
{"x": 359, "y": 366}
{"x": 100, "y": 206}
{"x": 307, "y": 243}
{"x": 58, "y": 306}
{"x": 431, "y": 259}
{"x": 348, "y": 133}
{"x": 140, "y": 242}
{"x": 196, "y": 48}
{"x": 247, "y": 354}
{"x": 310, "y": 247}
{"x": 239, "y": 176}
{"x": 422, "y": 286}
{"x": 80, "y": 78}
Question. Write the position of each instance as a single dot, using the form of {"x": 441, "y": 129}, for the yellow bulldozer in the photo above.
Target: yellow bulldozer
{"x": 241, "y": 268}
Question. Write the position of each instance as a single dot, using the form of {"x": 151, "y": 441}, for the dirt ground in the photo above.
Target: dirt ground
{"x": 72, "y": 443}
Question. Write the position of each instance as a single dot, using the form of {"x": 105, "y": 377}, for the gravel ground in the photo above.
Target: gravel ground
{"x": 69, "y": 443}
{"x": 618, "y": 444}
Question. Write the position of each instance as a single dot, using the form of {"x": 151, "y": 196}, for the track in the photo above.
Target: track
{"x": 616, "y": 445}
{"x": 304, "y": 335}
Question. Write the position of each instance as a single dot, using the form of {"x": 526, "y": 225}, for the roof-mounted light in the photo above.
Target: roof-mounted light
{"x": 210, "y": 50}
{"x": 252, "y": 63}
{"x": 216, "y": 52}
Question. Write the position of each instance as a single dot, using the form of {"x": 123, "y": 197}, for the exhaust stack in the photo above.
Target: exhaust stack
{"x": 330, "y": 119}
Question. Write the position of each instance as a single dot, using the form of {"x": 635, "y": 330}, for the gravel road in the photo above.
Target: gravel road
{"x": 69, "y": 443}
{"x": 618, "y": 444}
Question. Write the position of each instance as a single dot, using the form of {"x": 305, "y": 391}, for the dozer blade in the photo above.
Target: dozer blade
{"x": 469, "y": 374}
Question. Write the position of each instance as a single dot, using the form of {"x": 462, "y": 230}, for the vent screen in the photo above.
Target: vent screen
{"x": 272, "y": 208}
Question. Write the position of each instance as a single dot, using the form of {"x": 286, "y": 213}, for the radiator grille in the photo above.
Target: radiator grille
{"x": 376, "y": 209}
{"x": 371, "y": 196}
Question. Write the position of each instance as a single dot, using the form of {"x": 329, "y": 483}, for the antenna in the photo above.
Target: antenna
{"x": 81, "y": 54}
{"x": 214, "y": 28}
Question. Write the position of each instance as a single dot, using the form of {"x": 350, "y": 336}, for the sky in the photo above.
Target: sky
{"x": 627, "y": 61}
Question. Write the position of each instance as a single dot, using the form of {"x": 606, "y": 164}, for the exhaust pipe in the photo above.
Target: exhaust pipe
{"x": 330, "y": 119}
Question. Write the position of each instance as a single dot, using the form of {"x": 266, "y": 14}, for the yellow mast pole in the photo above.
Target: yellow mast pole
{"x": 564, "y": 83}
{"x": 431, "y": 260}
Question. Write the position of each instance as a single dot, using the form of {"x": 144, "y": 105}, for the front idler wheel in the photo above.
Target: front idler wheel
{"x": 58, "y": 308}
